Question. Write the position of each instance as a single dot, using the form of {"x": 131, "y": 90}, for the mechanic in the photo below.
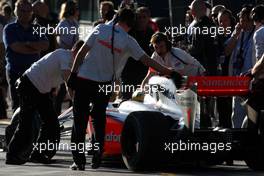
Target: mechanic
{"x": 203, "y": 47}
{"x": 34, "y": 88}
{"x": 175, "y": 58}
{"x": 101, "y": 60}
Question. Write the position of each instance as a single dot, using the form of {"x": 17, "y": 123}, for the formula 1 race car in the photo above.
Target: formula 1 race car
{"x": 165, "y": 126}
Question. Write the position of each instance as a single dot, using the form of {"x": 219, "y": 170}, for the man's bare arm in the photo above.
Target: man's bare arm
{"x": 233, "y": 40}
{"x": 65, "y": 76}
{"x": 230, "y": 46}
{"x": 258, "y": 66}
{"x": 146, "y": 79}
{"x": 80, "y": 57}
{"x": 146, "y": 60}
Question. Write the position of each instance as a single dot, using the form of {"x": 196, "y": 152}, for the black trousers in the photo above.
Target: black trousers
{"x": 224, "y": 107}
{"x": 88, "y": 92}
{"x": 11, "y": 78}
{"x": 31, "y": 100}
{"x": 3, "y": 103}
{"x": 60, "y": 98}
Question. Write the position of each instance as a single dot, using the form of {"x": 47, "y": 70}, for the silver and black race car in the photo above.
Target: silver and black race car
{"x": 164, "y": 125}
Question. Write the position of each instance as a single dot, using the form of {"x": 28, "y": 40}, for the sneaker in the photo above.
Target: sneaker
{"x": 40, "y": 158}
{"x": 75, "y": 166}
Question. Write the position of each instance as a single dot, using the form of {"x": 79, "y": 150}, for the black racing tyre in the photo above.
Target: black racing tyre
{"x": 143, "y": 138}
{"x": 255, "y": 159}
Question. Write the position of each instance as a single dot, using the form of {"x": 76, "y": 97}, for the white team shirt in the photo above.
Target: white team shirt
{"x": 191, "y": 67}
{"x": 98, "y": 63}
{"x": 46, "y": 73}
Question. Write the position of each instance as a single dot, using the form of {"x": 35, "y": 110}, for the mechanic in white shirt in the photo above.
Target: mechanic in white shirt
{"x": 99, "y": 62}
{"x": 34, "y": 89}
{"x": 172, "y": 57}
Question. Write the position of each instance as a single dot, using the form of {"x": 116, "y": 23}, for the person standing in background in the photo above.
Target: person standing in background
{"x": 22, "y": 46}
{"x": 215, "y": 12}
{"x": 8, "y": 14}
{"x": 227, "y": 21}
{"x": 69, "y": 16}
{"x": 203, "y": 47}
{"x": 8, "y": 17}
{"x": 3, "y": 19}
{"x": 240, "y": 46}
{"x": 3, "y": 83}
{"x": 200, "y": 43}
{"x": 41, "y": 14}
{"x": 107, "y": 12}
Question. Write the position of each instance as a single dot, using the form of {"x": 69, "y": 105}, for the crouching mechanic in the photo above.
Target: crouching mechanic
{"x": 255, "y": 100}
{"x": 172, "y": 57}
{"x": 101, "y": 60}
{"x": 34, "y": 88}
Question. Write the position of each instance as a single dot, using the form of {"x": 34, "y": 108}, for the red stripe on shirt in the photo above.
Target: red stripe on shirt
{"x": 106, "y": 44}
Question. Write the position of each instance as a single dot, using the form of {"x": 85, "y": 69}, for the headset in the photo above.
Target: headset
{"x": 257, "y": 13}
